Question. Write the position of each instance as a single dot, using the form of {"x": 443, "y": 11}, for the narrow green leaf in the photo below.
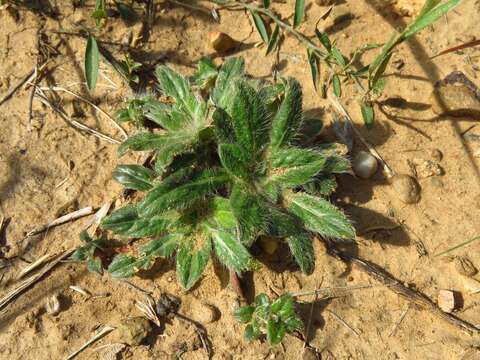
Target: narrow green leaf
{"x": 92, "y": 62}
{"x": 428, "y": 17}
{"x": 135, "y": 177}
{"x": 337, "y": 55}
{"x": 320, "y": 216}
{"x": 288, "y": 118}
{"x": 314, "y": 67}
{"x": 260, "y": 25}
{"x": 272, "y": 43}
{"x": 302, "y": 250}
{"x": 95, "y": 265}
{"x": 126, "y": 11}
{"x": 143, "y": 142}
{"x": 324, "y": 40}
{"x": 191, "y": 263}
{"x": 337, "y": 87}
{"x": 367, "y": 114}
{"x": 299, "y": 12}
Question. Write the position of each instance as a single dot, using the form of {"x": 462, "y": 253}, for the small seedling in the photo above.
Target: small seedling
{"x": 274, "y": 319}
{"x": 86, "y": 253}
{"x": 229, "y": 167}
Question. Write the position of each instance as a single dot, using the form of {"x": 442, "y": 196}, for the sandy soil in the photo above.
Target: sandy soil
{"x": 48, "y": 169}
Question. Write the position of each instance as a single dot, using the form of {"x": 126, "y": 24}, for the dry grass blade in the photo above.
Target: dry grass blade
{"x": 402, "y": 316}
{"x": 80, "y": 290}
{"x": 334, "y": 289}
{"x": 62, "y": 220}
{"x": 465, "y": 243}
{"x": 343, "y": 322}
{"x": 110, "y": 351}
{"x": 147, "y": 308}
{"x": 101, "y": 333}
{"x": 97, "y": 218}
{"x": 43, "y": 99}
{"x": 103, "y": 112}
{"x": 33, "y": 279}
{"x": 456, "y": 48}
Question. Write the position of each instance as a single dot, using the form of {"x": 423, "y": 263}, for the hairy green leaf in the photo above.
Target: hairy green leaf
{"x": 163, "y": 198}
{"x": 191, "y": 263}
{"x": 235, "y": 161}
{"x": 229, "y": 73}
{"x": 92, "y": 62}
{"x": 123, "y": 266}
{"x": 288, "y": 118}
{"x": 231, "y": 252}
{"x": 222, "y": 213}
{"x": 135, "y": 177}
{"x": 162, "y": 247}
{"x": 206, "y": 72}
{"x": 320, "y": 216}
{"x": 244, "y": 314}
{"x": 302, "y": 250}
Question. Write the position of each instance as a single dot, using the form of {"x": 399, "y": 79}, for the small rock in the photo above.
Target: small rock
{"x": 464, "y": 266}
{"x": 427, "y": 168}
{"x": 365, "y": 165}
{"x": 406, "y": 187}
{"x": 205, "y": 313}
{"x": 436, "y": 155}
{"x": 221, "y": 42}
{"x": 52, "y": 305}
{"x": 446, "y": 300}
{"x": 133, "y": 331}
{"x": 455, "y": 100}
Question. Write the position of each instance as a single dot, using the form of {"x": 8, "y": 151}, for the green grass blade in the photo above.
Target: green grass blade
{"x": 299, "y": 12}
{"x": 260, "y": 26}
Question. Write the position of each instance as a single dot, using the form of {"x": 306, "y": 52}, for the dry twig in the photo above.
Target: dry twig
{"x": 343, "y": 322}
{"x": 101, "y": 333}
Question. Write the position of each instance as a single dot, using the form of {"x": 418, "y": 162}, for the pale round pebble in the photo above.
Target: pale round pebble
{"x": 365, "y": 165}
{"x": 52, "y": 305}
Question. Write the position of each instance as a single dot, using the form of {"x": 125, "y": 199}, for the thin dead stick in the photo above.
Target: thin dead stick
{"x": 310, "y": 315}
{"x": 402, "y": 316}
{"x": 27, "y": 78}
{"x": 341, "y": 110}
{"x": 62, "y": 220}
{"x": 101, "y": 333}
{"x": 33, "y": 279}
{"x": 333, "y": 289}
{"x": 103, "y": 112}
{"x": 413, "y": 296}
{"x": 343, "y": 322}
{"x": 32, "y": 94}
{"x": 43, "y": 99}
{"x": 465, "y": 243}
{"x": 456, "y": 48}
{"x": 43, "y": 259}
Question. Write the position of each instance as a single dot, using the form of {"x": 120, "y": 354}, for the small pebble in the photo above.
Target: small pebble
{"x": 133, "y": 331}
{"x": 464, "y": 266}
{"x": 446, "y": 300}
{"x": 52, "y": 305}
{"x": 221, "y": 42}
{"x": 365, "y": 165}
{"x": 406, "y": 187}
{"x": 205, "y": 313}
{"x": 427, "y": 168}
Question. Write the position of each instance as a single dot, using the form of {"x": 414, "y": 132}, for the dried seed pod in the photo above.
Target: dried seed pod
{"x": 464, "y": 266}
{"x": 52, "y": 305}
